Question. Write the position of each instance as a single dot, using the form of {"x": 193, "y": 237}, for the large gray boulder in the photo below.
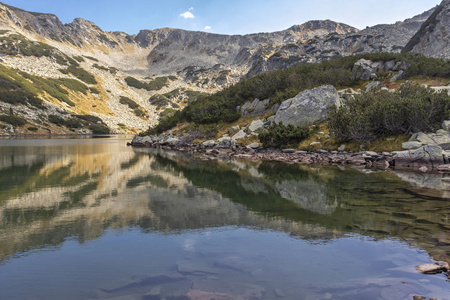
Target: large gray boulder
{"x": 172, "y": 141}
{"x": 429, "y": 155}
{"x": 441, "y": 138}
{"x": 362, "y": 70}
{"x": 225, "y": 142}
{"x": 308, "y": 107}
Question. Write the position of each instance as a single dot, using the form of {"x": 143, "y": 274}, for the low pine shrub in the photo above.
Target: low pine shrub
{"x": 279, "y": 135}
{"x": 378, "y": 114}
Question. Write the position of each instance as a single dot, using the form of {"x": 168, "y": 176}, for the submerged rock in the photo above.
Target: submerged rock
{"x": 433, "y": 268}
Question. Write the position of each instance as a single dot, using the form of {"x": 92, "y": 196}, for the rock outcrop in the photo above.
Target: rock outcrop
{"x": 308, "y": 107}
{"x": 433, "y": 37}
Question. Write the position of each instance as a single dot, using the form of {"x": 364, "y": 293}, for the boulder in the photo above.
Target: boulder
{"x": 341, "y": 148}
{"x": 256, "y": 126}
{"x": 411, "y": 145}
{"x": 433, "y": 268}
{"x": 209, "y": 143}
{"x": 397, "y": 76}
{"x": 255, "y": 108}
{"x": 446, "y": 125}
{"x": 253, "y": 146}
{"x": 377, "y": 67}
{"x": 400, "y": 66}
{"x": 308, "y": 107}
{"x": 425, "y": 139}
{"x": 172, "y": 141}
{"x": 441, "y": 132}
{"x": 440, "y": 138}
{"x": 234, "y": 129}
{"x": 372, "y": 85}
{"x": 429, "y": 155}
{"x": 389, "y": 65}
{"x": 137, "y": 139}
{"x": 239, "y": 135}
{"x": 226, "y": 142}
{"x": 362, "y": 70}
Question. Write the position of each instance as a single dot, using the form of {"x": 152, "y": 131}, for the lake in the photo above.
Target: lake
{"x": 95, "y": 219}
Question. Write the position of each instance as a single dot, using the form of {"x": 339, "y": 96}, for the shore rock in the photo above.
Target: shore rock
{"x": 429, "y": 155}
{"x": 308, "y": 107}
{"x": 411, "y": 145}
{"x": 239, "y": 135}
{"x": 209, "y": 143}
{"x": 433, "y": 268}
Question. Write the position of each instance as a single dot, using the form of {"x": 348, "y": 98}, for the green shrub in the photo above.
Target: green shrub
{"x": 164, "y": 124}
{"x": 155, "y": 85}
{"x": 89, "y": 118}
{"x": 13, "y": 120}
{"x": 100, "y": 67}
{"x": 99, "y": 129}
{"x": 378, "y": 114}
{"x": 80, "y": 73}
{"x": 127, "y": 101}
{"x": 73, "y": 85}
{"x": 56, "y": 120}
{"x": 282, "y": 136}
{"x": 133, "y": 82}
{"x": 159, "y": 101}
{"x": 79, "y": 58}
{"x": 91, "y": 58}
{"x": 94, "y": 90}
{"x": 32, "y": 129}
{"x": 18, "y": 44}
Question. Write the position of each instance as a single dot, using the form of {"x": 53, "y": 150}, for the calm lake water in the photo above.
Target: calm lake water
{"x": 95, "y": 219}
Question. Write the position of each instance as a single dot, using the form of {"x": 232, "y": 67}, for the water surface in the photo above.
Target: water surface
{"x": 94, "y": 219}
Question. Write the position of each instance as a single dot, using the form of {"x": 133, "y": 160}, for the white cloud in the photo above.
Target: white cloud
{"x": 187, "y": 15}
{"x": 207, "y": 27}
{"x": 191, "y": 9}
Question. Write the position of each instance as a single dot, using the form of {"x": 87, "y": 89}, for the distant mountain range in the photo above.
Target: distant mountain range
{"x": 130, "y": 79}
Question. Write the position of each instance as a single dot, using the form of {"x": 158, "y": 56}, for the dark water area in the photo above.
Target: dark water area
{"x": 95, "y": 219}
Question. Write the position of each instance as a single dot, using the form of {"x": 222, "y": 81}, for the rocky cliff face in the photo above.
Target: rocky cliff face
{"x": 433, "y": 37}
{"x": 156, "y": 69}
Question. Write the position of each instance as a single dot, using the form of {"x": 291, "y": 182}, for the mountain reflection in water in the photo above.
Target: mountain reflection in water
{"x": 54, "y": 191}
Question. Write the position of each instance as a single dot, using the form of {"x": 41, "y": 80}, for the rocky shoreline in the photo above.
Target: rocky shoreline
{"x": 427, "y": 158}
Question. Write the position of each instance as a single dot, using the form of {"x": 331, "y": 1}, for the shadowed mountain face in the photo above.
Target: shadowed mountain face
{"x": 60, "y": 190}
{"x": 433, "y": 37}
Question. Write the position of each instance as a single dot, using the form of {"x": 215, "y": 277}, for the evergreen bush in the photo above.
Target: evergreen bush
{"x": 279, "y": 135}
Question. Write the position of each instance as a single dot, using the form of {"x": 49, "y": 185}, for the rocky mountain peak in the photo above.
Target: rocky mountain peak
{"x": 433, "y": 37}
{"x": 325, "y": 25}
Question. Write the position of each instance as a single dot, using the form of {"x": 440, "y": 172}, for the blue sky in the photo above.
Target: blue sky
{"x": 225, "y": 16}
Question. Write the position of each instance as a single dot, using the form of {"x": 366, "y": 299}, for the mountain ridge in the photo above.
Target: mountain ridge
{"x": 167, "y": 67}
